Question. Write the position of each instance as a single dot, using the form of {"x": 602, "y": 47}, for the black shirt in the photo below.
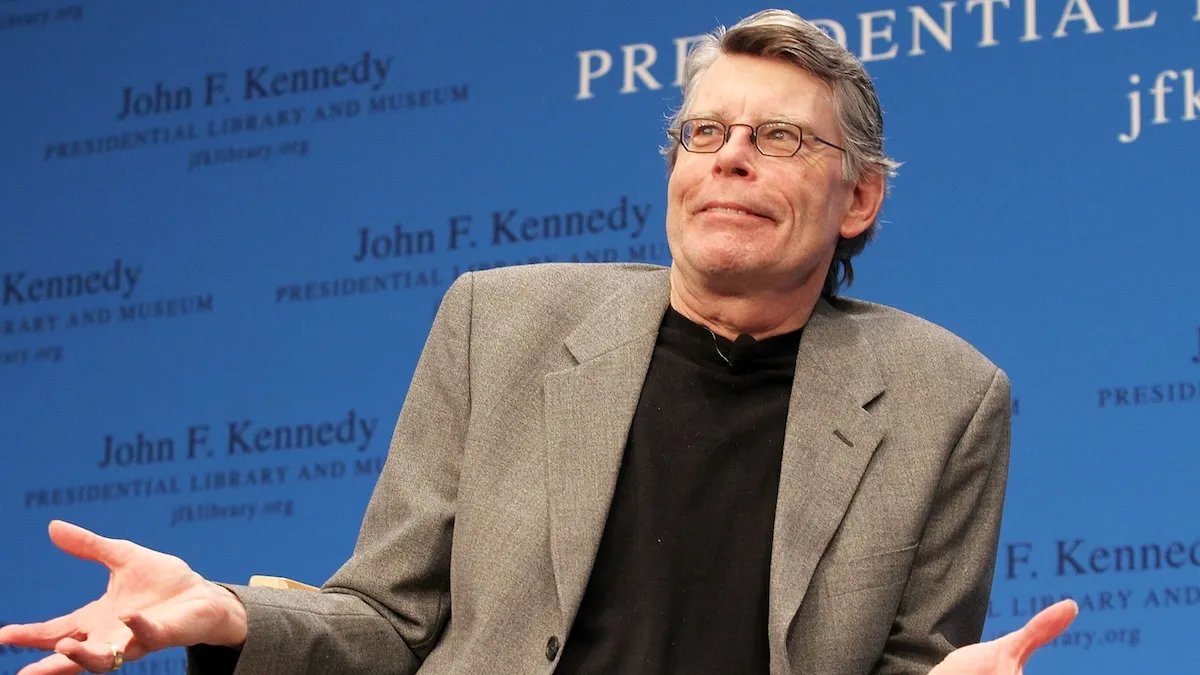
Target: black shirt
{"x": 681, "y": 578}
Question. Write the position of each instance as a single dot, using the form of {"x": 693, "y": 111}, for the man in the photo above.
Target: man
{"x": 717, "y": 467}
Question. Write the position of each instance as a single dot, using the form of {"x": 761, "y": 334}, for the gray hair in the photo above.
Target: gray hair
{"x": 783, "y": 34}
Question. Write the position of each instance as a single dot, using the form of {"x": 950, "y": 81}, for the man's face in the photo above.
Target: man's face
{"x": 793, "y": 209}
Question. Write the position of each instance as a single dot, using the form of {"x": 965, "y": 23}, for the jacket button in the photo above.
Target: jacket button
{"x": 552, "y": 648}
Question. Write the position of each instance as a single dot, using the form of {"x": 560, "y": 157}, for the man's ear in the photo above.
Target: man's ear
{"x": 865, "y": 200}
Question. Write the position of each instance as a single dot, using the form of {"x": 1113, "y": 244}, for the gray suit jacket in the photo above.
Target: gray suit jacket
{"x": 479, "y": 538}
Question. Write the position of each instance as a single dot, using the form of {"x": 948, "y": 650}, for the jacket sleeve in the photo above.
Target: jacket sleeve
{"x": 945, "y": 601}
{"x": 385, "y": 608}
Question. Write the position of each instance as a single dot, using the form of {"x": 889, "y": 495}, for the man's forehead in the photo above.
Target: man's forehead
{"x": 758, "y": 88}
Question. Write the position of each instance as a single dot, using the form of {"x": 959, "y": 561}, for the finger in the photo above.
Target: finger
{"x": 42, "y": 635}
{"x": 93, "y": 655}
{"x": 1042, "y": 628}
{"x": 55, "y": 664}
{"x": 149, "y": 633}
{"x": 88, "y": 545}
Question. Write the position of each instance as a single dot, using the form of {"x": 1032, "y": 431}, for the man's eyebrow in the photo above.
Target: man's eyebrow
{"x": 798, "y": 121}
{"x": 759, "y": 119}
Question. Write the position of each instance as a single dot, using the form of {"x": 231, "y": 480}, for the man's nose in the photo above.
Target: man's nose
{"x": 736, "y": 156}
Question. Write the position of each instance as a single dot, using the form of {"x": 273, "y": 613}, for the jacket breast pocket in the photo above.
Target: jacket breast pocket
{"x": 863, "y": 573}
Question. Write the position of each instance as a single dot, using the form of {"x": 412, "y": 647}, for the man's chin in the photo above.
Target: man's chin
{"x": 737, "y": 274}
{"x": 731, "y": 260}
{"x": 729, "y": 273}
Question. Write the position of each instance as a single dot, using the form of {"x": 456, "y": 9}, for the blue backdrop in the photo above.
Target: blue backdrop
{"x": 226, "y": 228}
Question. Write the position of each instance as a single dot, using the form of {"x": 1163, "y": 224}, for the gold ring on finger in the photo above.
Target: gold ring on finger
{"x": 118, "y": 657}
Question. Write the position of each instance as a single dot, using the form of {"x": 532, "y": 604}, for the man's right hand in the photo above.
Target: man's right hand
{"x": 154, "y": 601}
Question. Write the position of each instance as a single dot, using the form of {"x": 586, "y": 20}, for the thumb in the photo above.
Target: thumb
{"x": 148, "y": 632}
{"x": 88, "y": 545}
{"x": 173, "y": 624}
{"x": 1041, "y": 629}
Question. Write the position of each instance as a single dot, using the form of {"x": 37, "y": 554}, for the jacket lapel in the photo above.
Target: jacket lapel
{"x": 829, "y": 442}
{"x": 588, "y": 411}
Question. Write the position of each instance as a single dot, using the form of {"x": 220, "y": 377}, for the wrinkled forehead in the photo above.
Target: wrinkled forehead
{"x": 755, "y": 89}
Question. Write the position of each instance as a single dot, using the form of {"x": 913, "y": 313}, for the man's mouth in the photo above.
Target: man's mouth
{"x": 733, "y": 209}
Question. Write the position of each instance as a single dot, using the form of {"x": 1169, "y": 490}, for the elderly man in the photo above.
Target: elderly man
{"x": 718, "y": 467}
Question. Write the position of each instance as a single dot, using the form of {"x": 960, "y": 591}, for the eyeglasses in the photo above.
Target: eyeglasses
{"x": 773, "y": 139}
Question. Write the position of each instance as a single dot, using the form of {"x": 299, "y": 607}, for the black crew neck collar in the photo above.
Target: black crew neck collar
{"x": 704, "y": 346}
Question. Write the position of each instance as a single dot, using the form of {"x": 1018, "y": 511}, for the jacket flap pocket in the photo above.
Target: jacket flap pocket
{"x": 870, "y": 571}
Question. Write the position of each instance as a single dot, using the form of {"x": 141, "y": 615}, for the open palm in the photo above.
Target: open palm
{"x": 1007, "y": 655}
{"x": 153, "y": 601}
